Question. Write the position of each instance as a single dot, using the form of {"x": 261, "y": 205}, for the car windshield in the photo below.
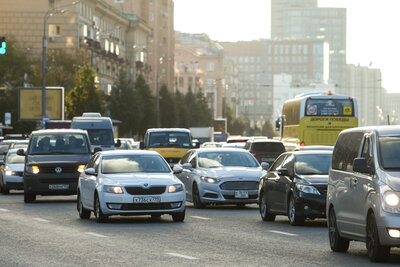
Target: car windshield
{"x": 268, "y": 147}
{"x": 59, "y": 143}
{"x": 13, "y": 158}
{"x": 133, "y": 163}
{"x": 102, "y": 137}
{"x": 4, "y": 148}
{"x": 312, "y": 164}
{"x": 389, "y": 149}
{"x": 226, "y": 158}
{"x": 169, "y": 139}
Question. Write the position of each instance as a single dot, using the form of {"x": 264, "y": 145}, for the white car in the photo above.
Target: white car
{"x": 11, "y": 173}
{"x": 130, "y": 182}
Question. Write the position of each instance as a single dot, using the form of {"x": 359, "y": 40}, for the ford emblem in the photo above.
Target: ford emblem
{"x": 58, "y": 170}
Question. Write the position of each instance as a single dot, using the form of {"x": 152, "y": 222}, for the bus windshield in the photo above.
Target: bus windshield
{"x": 329, "y": 107}
{"x": 169, "y": 139}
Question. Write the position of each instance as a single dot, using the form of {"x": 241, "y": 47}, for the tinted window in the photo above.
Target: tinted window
{"x": 329, "y": 107}
{"x": 101, "y": 137}
{"x": 268, "y": 147}
{"x": 185, "y": 158}
{"x": 389, "y": 149}
{"x": 367, "y": 152}
{"x": 346, "y": 150}
{"x": 312, "y": 164}
{"x": 226, "y": 158}
{"x": 133, "y": 163}
{"x": 169, "y": 139}
{"x": 278, "y": 163}
{"x": 59, "y": 143}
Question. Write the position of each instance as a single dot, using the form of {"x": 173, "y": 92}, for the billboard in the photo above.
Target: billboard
{"x": 30, "y": 103}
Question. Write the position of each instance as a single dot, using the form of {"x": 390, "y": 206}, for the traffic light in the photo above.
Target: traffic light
{"x": 3, "y": 45}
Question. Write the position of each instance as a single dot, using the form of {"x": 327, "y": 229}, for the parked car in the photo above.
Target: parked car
{"x": 11, "y": 172}
{"x": 53, "y": 161}
{"x": 220, "y": 175}
{"x": 363, "y": 201}
{"x": 265, "y": 150}
{"x": 295, "y": 186}
{"x": 130, "y": 182}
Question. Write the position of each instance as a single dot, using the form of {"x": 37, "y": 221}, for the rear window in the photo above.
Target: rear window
{"x": 268, "y": 147}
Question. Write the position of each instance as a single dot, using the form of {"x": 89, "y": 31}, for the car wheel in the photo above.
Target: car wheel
{"x": 337, "y": 243}
{"x": 178, "y": 217}
{"x": 83, "y": 213}
{"x": 196, "y": 198}
{"x": 265, "y": 215}
{"x": 294, "y": 218}
{"x": 98, "y": 213}
{"x": 29, "y": 197}
{"x": 3, "y": 189}
{"x": 376, "y": 252}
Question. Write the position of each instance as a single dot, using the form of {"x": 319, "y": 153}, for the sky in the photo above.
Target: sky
{"x": 373, "y": 36}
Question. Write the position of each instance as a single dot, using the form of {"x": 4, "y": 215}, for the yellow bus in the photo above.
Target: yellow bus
{"x": 317, "y": 118}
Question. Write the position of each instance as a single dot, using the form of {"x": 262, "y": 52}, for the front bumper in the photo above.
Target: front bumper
{"x": 13, "y": 182}
{"x": 51, "y": 184}
{"x": 387, "y": 221}
{"x": 170, "y": 203}
{"x": 311, "y": 205}
{"x": 212, "y": 193}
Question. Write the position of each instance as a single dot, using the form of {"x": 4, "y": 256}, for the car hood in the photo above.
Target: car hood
{"x": 315, "y": 179}
{"x": 393, "y": 180}
{"x": 132, "y": 179}
{"x": 17, "y": 167}
{"x": 58, "y": 158}
{"x": 233, "y": 172}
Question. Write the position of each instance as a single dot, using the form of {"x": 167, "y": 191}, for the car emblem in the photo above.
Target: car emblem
{"x": 58, "y": 170}
{"x": 146, "y": 185}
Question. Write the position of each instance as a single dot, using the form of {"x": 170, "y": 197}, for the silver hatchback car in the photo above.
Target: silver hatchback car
{"x": 363, "y": 198}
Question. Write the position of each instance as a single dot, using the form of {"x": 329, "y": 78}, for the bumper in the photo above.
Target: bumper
{"x": 51, "y": 184}
{"x": 212, "y": 193}
{"x": 113, "y": 204}
{"x": 388, "y": 221}
{"x": 13, "y": 182}
{"x": 311, "y": 205}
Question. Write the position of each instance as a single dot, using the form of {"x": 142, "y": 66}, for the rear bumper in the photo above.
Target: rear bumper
{"x": 51, "y": 184}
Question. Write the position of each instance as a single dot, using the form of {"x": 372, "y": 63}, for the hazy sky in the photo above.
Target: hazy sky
{"x": 373, "y": 35}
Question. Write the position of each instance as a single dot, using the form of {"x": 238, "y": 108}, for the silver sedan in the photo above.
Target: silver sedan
{"x": 220, "y": 175}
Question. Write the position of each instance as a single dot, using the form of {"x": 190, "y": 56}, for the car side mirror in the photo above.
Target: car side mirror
{"x": 283, "y": 172}
{"x": 265, "y": 165}
{"x": 141, "y": 145}
{"x": 21, "y": 152}
{"x": 187, "y": 166}
{"x": 360, "y": 165}
{"x": 96, "y": 149}
{"x": 196, "y": 144}
{"x": 118, "y": 143}
{"x": 90, "y": 171}
{"x": 177, "y": 169}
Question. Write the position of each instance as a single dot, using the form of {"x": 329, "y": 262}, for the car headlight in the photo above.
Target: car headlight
{"x": 390, "y": 200}
{"x": 32, "y": 169}
{"x": 175, "y": 188}
{"x": 81, "y": 168}
{"x": 10, "y": 173}
{"x": 308, "y": 189}
{"x": 113, "y": 189}
{"x": 209, "y": 180}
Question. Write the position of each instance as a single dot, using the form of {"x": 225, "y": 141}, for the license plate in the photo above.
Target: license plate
{"x": 241, "y": 194}
{"x": 58, "y": 186}
{"x": 146, "y": 199}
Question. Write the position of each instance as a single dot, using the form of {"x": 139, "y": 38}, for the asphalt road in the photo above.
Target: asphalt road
{"x": 50, "y": 233}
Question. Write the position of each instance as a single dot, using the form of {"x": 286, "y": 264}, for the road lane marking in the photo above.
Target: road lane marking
{"x": 5, "y": 210}
{"x": 201, "y": 218}
{"x": 94, "y": 234}
{"x": 283, "y": 233}
{"x": 40, "y": 220}
{"x": 181, "y": 256}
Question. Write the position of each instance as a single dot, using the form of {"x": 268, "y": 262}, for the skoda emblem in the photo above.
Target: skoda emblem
{"x": 58, "y": 170}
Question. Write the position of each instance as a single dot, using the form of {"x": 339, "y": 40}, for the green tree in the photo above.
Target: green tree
{"x": 146, "y": 106}
{"x": 86, "y": 96}
{"x": 167, "y": 108}
{"x": 268, "y": 129}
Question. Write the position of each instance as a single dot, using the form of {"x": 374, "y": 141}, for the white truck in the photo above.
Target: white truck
{"x": 203, "y": 134}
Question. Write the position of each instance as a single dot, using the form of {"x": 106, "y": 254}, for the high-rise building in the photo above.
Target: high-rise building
{"x": 304, "y": 20}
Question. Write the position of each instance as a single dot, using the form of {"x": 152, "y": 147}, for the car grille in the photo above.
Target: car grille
{"x": 65, "y": 169}
{"x": 137, "y": 190}
{"x": 19, "y": 173}
{"x": 58, "y": 180}
{"x": 253, "y": 196}
{"x": 149, "y": 206}
{"x": 239, "y": 185}
{"x": 322, "y": 189}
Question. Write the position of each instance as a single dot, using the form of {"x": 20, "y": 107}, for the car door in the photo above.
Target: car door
{"x": 271, "y": 183}
{"x": 284, "y": 184}
{"x": 192, "y": 174}
{"x": 84, "y": 183}
{"x": 92, "y": 181}
{"x": 184, "y": 176}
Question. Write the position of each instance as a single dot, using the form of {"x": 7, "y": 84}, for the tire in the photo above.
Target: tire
{"x": 263, "y": 207}
{"x": 376, "y": 252}
{"x": 98, "y": 213}
{"x": 178, "y": 217}
{"x": 337, "y": 243}
{"x": 29, "y": 197}
{"x": 196, "y": 198}
{"x": 294, "y": 219}
{"x": 83, "y": 213}
{"x": 3, "y": 189}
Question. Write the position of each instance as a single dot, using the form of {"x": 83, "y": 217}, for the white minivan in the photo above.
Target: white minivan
{"x": 363, "y": 198}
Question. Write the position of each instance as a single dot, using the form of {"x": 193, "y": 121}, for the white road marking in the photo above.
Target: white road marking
{"x": 94, "y": 234}
{"x": 40, "y": 220}
{"x": 5, "y": 210}
{"x": 181, "y": 256}
{"x": 201, "y": 218}
{"x": 283, "y": 233}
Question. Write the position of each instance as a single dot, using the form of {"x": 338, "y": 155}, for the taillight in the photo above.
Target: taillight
{"x": 302, "y": 144}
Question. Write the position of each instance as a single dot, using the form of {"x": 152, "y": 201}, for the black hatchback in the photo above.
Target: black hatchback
{"x": 54, "y": 160}
{"x": 295, "y": 185}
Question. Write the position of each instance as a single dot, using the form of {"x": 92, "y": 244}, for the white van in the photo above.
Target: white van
{"x": 363, "y": 198}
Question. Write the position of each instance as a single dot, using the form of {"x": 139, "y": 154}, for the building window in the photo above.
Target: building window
{"x": 112, "y": 47}
{"x": 181, "y": 82}
{"x": 151, "y": 16}
{"x": 52, "y": 4}
{"x": 251, "y": 59}
{"x": 85, "y": 30}
{"x": 117, "y": 50}
{"x": 210, "y": 66}
{"x": 190, "y": 83}
{"x": 54, "y": 30}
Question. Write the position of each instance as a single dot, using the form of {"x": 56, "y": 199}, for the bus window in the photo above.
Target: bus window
{"x": 331, "y": 107}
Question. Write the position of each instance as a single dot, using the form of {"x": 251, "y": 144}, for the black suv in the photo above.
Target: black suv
{"x": 54, "y": 160}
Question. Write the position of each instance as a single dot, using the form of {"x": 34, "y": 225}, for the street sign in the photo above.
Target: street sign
{"x": 44, "y": 119}
{"x": 7, "y": 118}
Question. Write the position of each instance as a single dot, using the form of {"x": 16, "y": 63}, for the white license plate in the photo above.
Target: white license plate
{"x": 58, "y": 186}
{"x": 146, "y": 199}
{"x": 241, "y": 194}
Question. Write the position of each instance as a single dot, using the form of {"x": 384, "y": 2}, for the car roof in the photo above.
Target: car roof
{"x": 309, "y": 152}
{"x": 380, "y": 130}
{"x": 266, "y": 140}
{"x": 128, "y": 152}
{"x": 152, "y": 130}
{"x": 58, "y": 131}
{"x": 216, "y": 149}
